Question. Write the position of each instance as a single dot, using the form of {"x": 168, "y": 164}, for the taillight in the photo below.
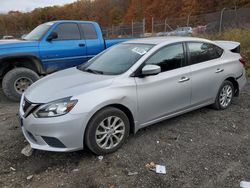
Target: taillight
{"x": 243, "y": 61}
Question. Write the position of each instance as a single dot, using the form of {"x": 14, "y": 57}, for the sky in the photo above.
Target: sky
{"x": 28, "y": 5}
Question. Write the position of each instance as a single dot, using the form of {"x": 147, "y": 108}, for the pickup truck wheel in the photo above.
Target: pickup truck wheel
{"x": 107, "y": 131}
{"x": 16, "y": 81}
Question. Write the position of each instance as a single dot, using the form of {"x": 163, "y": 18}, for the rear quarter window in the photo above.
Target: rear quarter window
{"x": 201, "y": 52}
{"x": 88, "y": 31}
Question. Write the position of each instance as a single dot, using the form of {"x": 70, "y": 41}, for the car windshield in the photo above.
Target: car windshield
{"x": 38, "y": 32}
{"x": 117, "y": 59}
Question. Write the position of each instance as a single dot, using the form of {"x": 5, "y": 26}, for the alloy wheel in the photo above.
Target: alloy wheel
{"x": 226, "y": 96}
{"x": 110, "y": 132}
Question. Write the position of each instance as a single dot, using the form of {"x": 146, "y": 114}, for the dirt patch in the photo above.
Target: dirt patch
{"x": 204, "y": 148}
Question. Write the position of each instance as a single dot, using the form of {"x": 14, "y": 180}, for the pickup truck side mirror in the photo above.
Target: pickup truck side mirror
{"x": 150, "y": 70}
{"x": 52, "y": 36}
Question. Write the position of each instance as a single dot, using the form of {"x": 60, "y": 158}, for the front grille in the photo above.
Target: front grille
{"x": 26, "y": 105}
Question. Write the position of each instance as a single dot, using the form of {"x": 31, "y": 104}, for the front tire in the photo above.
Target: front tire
{"x": 16, "y": 81}
{"x": 107, "y": 131}
{"x": 225, "y": 96}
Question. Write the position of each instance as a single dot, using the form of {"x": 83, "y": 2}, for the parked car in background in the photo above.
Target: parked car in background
{"x": 23, "y": 36}
{"x": 199, "y": 30}
{"x": 48, "y": 48}
{"x": 181, "y": 31}
{"x": 8, "y": 37}
{"x": 146, "y": 35}
{"x": 161, "y": 34}
{"x": 127, "y": 87}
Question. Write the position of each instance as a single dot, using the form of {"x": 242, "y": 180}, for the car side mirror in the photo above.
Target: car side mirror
{"x": 150, "y": 70}
{"x": 52, "y": 36}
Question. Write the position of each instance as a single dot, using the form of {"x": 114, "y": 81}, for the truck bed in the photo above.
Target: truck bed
{"x": 111, "y": 42}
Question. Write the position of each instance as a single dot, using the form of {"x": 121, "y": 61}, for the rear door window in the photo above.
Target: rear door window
{"x": 201, "y": 52}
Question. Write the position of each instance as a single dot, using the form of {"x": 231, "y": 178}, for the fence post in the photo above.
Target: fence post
{"x": 106, "y": 32}
{"x": 132, "y": 28}
{"x": 221, "y": 19}
{"x": 152, "y": 25}
{"x": 236, "y": 16}
{"x": 112, "y": 31}
{"x": 188, "y": 18}
{"x": 165, "y": 25}
{"x": 144, "y": 25}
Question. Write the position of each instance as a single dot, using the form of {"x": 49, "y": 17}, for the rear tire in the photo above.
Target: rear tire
{"x": 16, "y": 81}
{"x": 225, "y": 96}
{"x": 107, "y": 131}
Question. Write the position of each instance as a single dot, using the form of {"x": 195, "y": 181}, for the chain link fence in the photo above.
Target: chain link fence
{"x": 214, "y": 22}
{"x": 135, "y": 29}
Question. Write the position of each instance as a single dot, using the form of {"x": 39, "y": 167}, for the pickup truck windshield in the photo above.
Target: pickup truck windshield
{"x": 38, "y": 32}
{"x": 116, "y": 60}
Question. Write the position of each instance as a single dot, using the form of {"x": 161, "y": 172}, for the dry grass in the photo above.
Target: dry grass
{"x": 239, "y": 35}
{"x": 248, "y": 71}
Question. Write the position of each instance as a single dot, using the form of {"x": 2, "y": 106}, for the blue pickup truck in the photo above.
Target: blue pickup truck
{"x": 48, "y": 48}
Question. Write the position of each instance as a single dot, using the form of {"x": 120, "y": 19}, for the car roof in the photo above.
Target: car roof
{"x": 72, "y": 21}
{"x": 166, "y": 40}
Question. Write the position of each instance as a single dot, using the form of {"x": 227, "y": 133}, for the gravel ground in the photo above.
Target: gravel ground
{"x": 204, "y": 148}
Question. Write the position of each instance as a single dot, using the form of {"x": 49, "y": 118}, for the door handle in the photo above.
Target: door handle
{"x": 219, "y": 70}
{"x": 184, "y": 79}
{"x": 81, "y": 45}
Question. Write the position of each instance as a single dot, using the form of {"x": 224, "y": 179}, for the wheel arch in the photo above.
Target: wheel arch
{"x": 235, "y": 84}
{"x": 29, "y": 61}
{"x": 128, "y": 113}
{"x": 121, "y": 107}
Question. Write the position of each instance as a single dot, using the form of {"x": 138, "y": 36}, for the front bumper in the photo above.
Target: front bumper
{"x": 60, "y": 134}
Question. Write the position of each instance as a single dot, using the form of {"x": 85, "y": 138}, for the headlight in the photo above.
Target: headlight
{"x": 55, "y": 108}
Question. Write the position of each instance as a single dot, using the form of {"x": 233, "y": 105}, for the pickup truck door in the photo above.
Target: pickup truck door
{"x": 68, "y": 50}
{"x": 93, "y": 38}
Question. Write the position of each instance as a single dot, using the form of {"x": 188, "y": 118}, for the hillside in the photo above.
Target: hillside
{"x": 113, "y": 12}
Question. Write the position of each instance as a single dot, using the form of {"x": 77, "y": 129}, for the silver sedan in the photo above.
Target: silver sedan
{"x": 127, "y": 87}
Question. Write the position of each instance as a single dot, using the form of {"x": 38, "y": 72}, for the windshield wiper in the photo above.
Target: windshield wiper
{"x": 93, "y": 71}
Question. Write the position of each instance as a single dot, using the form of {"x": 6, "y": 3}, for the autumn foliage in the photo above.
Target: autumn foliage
{"x": 112, "y": 12}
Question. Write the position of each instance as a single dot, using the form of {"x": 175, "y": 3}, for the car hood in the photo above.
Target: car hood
{"x": 5, "y": 44}
{"x": 66, "y": 83}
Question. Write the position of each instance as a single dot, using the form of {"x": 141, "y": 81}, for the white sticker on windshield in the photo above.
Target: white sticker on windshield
{"x": 139, "y": 51}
